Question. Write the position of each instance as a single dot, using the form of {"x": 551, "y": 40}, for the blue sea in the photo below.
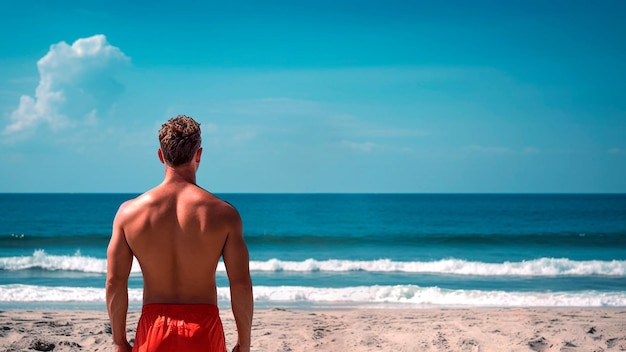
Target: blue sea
{"x": 346, "y": 250}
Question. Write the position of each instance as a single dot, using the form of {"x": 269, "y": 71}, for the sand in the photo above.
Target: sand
{"x": 475, "y": 329}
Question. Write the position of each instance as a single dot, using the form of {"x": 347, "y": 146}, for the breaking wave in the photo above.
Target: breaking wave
{"x": 359, "y": 295}
{"x": 537, "y": 267}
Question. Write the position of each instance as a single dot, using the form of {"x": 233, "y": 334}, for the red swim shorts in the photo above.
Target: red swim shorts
{"x": 179, "y": 327}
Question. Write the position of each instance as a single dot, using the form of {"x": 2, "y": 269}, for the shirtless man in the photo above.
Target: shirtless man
{"x": 178, "y": 232}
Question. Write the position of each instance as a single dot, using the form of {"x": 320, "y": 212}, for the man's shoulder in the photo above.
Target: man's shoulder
{"x": 215, "y": 202}
{"x": 132, "y": 206}
{"x": 216, "y": 206}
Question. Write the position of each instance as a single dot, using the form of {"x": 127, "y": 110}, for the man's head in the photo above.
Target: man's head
{"x": 180, "y": 140}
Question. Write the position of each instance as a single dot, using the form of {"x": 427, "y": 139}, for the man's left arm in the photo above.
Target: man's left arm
{"x": 119, "y": 264}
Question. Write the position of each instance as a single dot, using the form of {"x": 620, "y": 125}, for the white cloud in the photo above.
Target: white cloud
{"x": 244, "y": 136}
{"x": 349, "y": 126}
{"x": 531, "y": 150}
{"x": 76, "y": 83}
{"x": 394, "y": 132}
{"x": 501, "y": 150}
{"x": 489, "y": 150}
{"x": 306, "y": 122}
{"x": 362, "y": 147}
{"x": 267, "y": 107}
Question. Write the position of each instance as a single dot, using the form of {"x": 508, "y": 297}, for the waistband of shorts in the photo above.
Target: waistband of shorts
{"x": 171, "y": 308}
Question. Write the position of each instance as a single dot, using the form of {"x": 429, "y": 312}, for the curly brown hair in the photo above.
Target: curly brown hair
{"x": 180, "y": 139}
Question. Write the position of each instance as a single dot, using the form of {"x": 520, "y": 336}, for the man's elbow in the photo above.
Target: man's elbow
{"x": 242, "y": 283}
{"x": 114, "y": 282}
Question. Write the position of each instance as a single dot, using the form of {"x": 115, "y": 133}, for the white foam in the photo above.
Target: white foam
{"x": 536, "y": 267}
{"x": 360, "y": 295}
{"x": 41, "y": 260}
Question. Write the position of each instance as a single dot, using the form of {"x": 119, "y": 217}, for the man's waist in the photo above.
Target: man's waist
{"x": 179, "y": 308}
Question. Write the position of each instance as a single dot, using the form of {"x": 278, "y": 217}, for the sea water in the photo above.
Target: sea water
{"x": 346, "y": 250}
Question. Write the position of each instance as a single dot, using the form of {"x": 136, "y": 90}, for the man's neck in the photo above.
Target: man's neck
{"x": 184, "y": 173}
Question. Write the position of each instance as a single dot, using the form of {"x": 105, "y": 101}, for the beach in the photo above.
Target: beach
{"x": 360, "y": 329}
{"x": 347, "y": 272}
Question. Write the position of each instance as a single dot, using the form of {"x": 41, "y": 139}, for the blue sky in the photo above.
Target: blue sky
{"x": 316, "y": 96}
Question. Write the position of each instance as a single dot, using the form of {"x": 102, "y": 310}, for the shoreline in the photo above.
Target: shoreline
{"x": 350, "y": 329}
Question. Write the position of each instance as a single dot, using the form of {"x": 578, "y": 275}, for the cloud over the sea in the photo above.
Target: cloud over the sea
{"x": 76, "y": 84}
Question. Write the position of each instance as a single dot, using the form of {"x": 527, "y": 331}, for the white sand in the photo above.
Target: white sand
{"x": 477, "y": 329}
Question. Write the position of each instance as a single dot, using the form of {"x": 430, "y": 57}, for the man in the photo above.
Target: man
{"x": 178, "y": 232}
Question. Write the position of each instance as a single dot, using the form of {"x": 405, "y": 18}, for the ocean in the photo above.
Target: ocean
{"x": 346, "y": 250}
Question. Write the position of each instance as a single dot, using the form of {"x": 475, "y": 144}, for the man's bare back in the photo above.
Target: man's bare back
{"x": 178, "y": 232}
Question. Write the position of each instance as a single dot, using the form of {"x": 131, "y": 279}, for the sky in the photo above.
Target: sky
{"x": 316, "y": 96}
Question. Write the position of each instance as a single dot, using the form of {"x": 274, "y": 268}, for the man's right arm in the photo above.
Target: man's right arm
{"x": 237, "y": 262}
{"x": 119, "y": 263}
